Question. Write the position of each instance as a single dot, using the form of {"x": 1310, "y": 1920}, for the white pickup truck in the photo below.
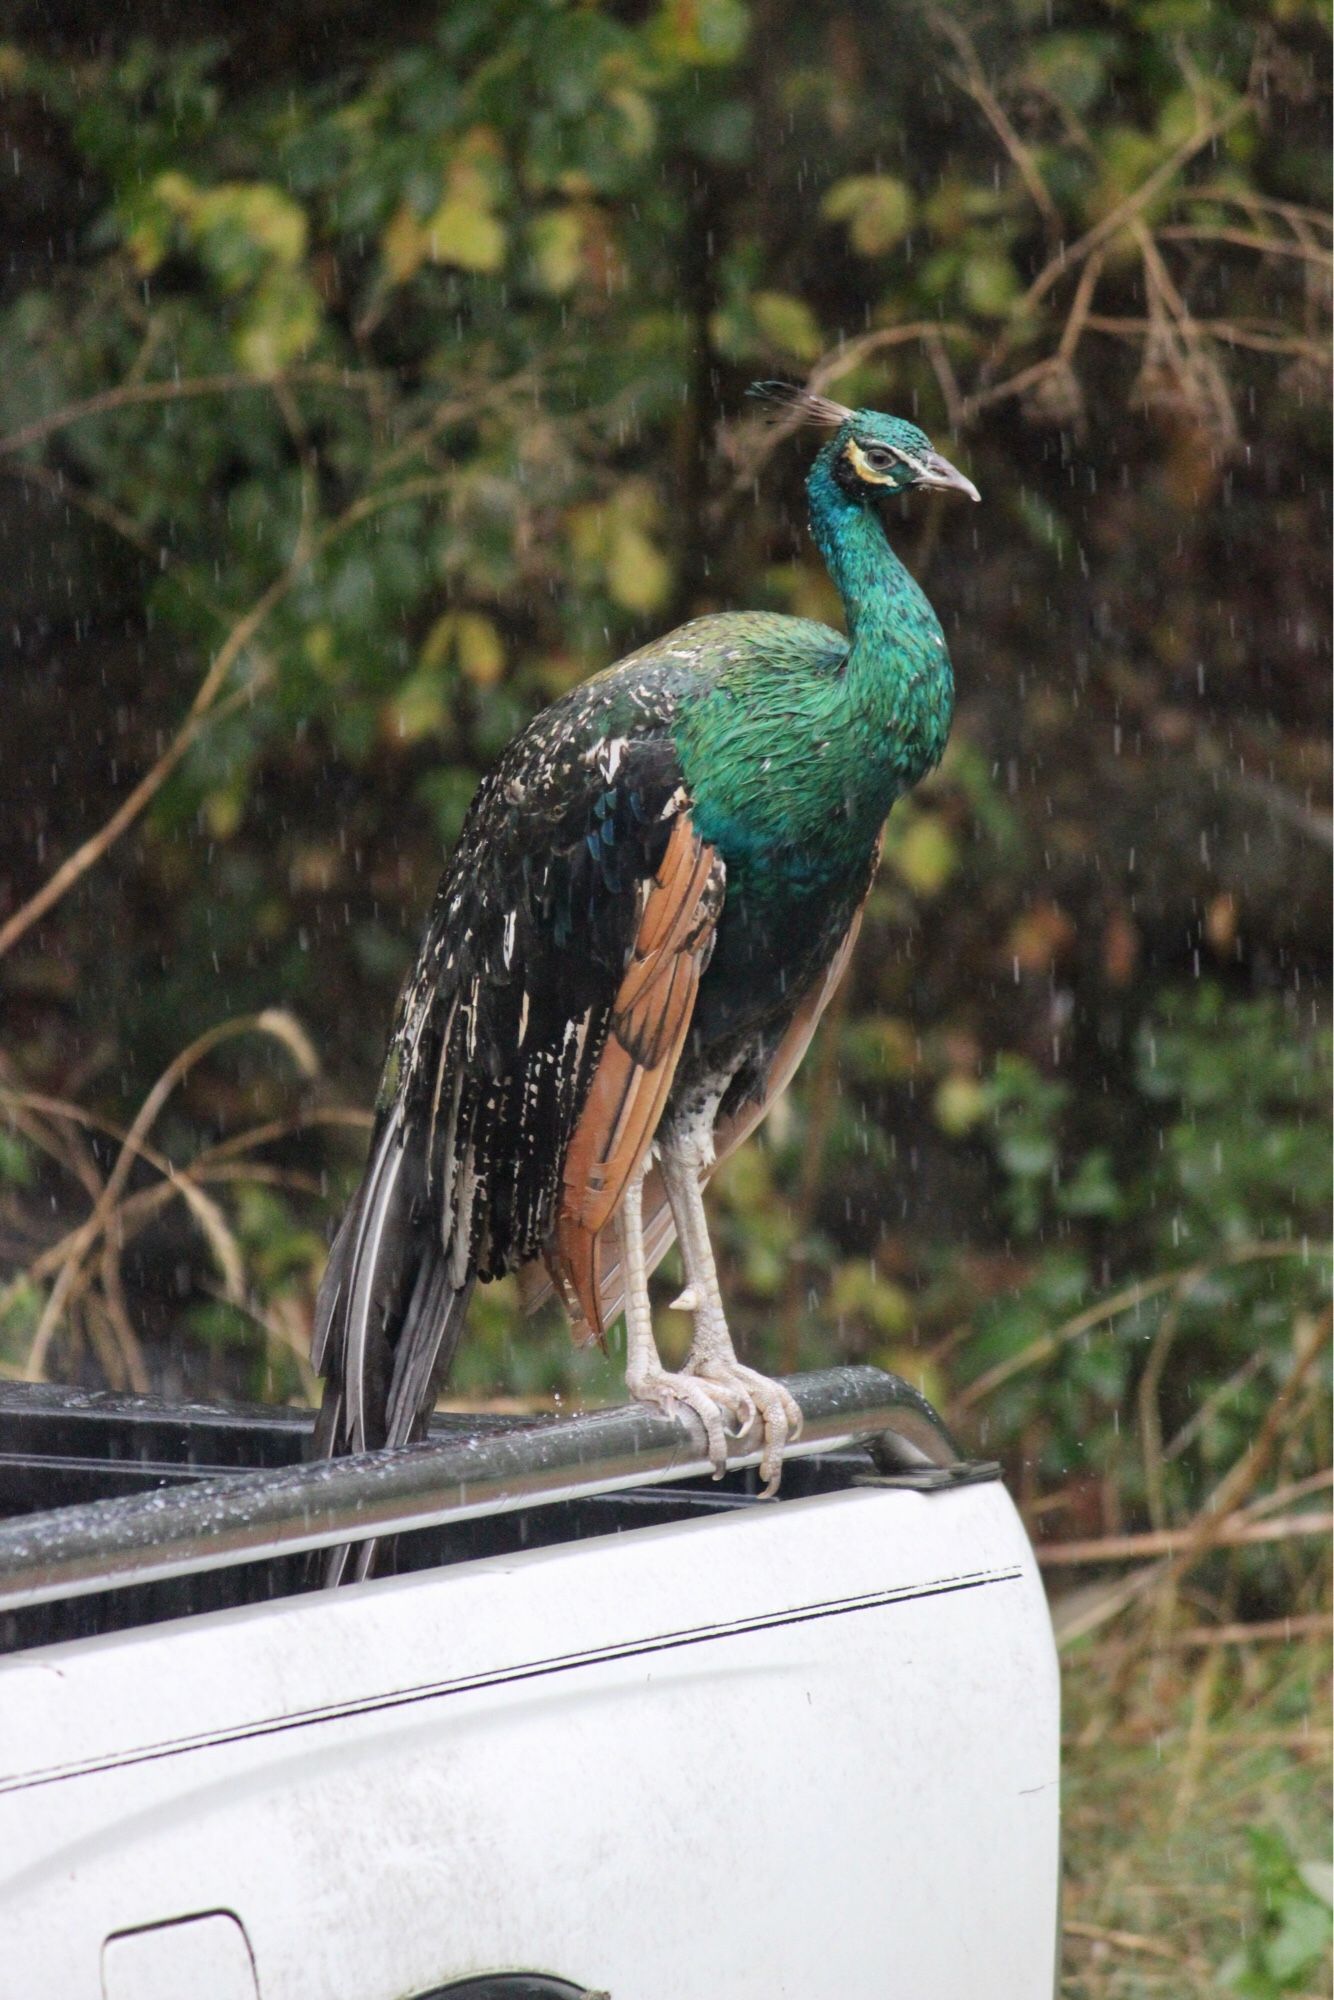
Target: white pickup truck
{"x": 613, "y": 1728}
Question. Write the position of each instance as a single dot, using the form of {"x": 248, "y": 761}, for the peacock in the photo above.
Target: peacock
{"x": 655, "y": 893}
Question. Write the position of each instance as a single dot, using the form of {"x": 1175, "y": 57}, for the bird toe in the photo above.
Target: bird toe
{"x": 766, "y": 1403}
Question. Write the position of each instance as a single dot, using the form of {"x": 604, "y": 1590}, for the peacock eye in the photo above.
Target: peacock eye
{"x": 879, "y": 459}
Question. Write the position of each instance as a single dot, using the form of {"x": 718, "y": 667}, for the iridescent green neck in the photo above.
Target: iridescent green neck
{"x": 898, "y": 669}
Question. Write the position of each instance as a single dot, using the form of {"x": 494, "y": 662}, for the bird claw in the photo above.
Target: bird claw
{"x": 766, "y": 1401}
{"x": 710, "y": 1400}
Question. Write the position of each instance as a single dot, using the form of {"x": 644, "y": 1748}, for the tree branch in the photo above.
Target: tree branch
{"x": 127, "y": 394}
{"x": 206, "y": 705}
{"x": 974, "y": 83}
{"x": 1114, "y": 221}
{"x": 1125, "y": 1301}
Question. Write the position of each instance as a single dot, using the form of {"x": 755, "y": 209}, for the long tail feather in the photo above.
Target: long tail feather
{"x": 426, "y": 1349}
{"x": 387, "y": 1322}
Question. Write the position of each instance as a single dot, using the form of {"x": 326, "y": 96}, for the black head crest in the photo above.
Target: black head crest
{"x": 787, "y": 400}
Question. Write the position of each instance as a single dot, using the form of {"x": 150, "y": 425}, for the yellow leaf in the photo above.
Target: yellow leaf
{"x": 913, "y": 1368}
{"x": 317, "y": 643}
{"x": 638, "y": 574}
{"x": 891, "y": 1047}
{"x": 281, "y": 321}
{"x": 859, "y": 1292}
{"x": 558, "y": 672}
{"x": 263, "y": 215}
{"x": 876, "y": 207}
{"x": 745, "y": 1182}
{"x": 154, "y": 219}
{"x": 960, "y": 1102}
{"x": 148, "y": 240}
{"x": 639, "y": 121}
{"x": 403, "y": 245}
{"x": 464, "y": 233}
{"x": 923, "y": 854}
{"x": 807, "y": 591}
{"x": 439, "y": 641}
{"x": 177, "y": 192}
{"x": 469, "y": 637}
{"x": 417, "y": 709}
{"x": 222, "y": 812}
{"x": 788, "y": 324}
{"x": 558, "y": 241}
{"x": 702, "y": 32}
{"x": 481, "y": 654}
{"x": 990, "y": 282}
{"x": 587, "y": 529}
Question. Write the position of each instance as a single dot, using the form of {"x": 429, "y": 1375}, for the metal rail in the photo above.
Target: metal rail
{"x": 250, "y": 1517}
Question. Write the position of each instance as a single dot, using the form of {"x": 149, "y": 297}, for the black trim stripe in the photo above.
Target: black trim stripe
{"x": 559, "y": 1663}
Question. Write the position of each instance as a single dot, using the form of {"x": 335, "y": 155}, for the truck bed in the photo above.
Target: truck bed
{"x": 615, "y": 1729}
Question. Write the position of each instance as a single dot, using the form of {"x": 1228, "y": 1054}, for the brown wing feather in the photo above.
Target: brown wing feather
{"x": 729, "y": 1133}
{"x": 649, "y": 1022}
{"x": 659, "y": 1230}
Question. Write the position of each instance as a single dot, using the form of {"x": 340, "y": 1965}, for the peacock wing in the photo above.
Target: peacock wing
{"x": 730, "y": 1132}
{"x": 555, "y": 921}
{"x": 649, "y": 1021}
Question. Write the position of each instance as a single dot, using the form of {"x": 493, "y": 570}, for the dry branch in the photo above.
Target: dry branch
{"x": 70, "y": 1275}
{"x": 1169, "y": 1541}
{"x": 1067, "y": 258}
{"x": 204, "y": 708}
{"x": 1125, "y": 1301}
{"x": 1244, "y": 239}
{"x": 1210, "y": 1525}
{"x": 1228, "y": 331}
{"x": 972, "y": 79}
{"x": 1130, "y": 1941}
{"x": 127, "y": 394}
{"x": 1261, "y": 1632}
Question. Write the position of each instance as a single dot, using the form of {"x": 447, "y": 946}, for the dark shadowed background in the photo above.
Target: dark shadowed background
{"x": 369, "y": 375}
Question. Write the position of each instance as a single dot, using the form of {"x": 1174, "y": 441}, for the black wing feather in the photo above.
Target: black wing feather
{"x": 498, "y": 1033}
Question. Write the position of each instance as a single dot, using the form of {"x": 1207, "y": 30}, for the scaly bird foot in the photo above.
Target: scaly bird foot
{"x": 777, "y": 1410}
{"x": 710, "y": 1400}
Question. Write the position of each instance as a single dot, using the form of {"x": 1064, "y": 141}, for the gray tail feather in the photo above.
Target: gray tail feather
{"x": 387, "y": 1322}
{"x": 441, "y": 1310}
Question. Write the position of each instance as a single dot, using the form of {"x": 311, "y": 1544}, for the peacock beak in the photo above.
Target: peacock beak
{"x": 939, "y": 472}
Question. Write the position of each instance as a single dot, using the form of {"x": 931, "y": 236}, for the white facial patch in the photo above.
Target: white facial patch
{"x": 887, "y": 477}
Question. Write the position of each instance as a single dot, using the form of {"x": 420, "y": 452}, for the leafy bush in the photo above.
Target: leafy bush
{"x": 1288, "y": 1932}
{"x": 1212, "y": 1185}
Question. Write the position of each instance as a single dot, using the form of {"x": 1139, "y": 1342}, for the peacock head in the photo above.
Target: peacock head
{"x": 870, "y": 456}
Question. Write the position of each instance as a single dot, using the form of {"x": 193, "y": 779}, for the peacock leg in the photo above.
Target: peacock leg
{"x": 687, "y": 1154}
{"x": 645, "y": 1377}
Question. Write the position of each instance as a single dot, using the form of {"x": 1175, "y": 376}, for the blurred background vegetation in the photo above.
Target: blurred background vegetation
{"x": 369, "y": 376}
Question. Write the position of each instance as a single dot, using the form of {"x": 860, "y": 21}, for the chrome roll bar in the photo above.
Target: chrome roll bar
{"x": 254, "y": 1516}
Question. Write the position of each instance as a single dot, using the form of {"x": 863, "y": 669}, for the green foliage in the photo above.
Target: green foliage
{"x": 1289, "y": 1930}
{"x": 20, "y": 1315}
{"x": 16, "y": 1160}
{"x": 1240, "y": 1150}
{"x": 1222, "y": 1175}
